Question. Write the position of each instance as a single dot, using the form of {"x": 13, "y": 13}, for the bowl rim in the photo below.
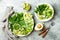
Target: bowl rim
{"x": 49, "y": 17}
{"x": 28, "y": 32}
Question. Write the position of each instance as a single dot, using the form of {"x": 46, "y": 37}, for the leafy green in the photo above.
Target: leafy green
{"x": 43, "y": 11}
{"x": 11, "y": 27}
{"x": 16, "y": 26}
{"x": 20, "y": 23}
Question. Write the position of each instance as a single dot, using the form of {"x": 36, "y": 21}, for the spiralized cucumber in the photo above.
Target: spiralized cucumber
{"x": 43, "y": 11}
{"x": 20, "y": 23}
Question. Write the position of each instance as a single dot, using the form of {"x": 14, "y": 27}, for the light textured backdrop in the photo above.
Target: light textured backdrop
{"x": 54, "y": 33}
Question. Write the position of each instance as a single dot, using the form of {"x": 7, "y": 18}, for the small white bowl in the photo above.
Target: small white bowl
{"x": 48, "y": 18}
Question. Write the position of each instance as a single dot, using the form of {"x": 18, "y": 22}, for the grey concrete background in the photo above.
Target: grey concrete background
{"x": 53, "y": 34}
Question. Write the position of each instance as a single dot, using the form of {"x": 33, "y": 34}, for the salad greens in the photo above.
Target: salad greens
{"x": 43, "y": 11}
{"x": 20, "y": 23}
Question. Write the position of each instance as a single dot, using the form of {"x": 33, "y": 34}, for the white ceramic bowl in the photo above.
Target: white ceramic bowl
{"x": 49, "y": 17}
{"x": 29, "y": 32}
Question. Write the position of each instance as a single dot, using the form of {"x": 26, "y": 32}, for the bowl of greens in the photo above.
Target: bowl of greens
{"x": 44, "y": 12}
{"x": 21, "y": 24}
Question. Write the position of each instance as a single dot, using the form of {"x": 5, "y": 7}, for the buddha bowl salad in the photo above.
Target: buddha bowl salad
{"x": 44, "y": 11}
{"x": 21, "y": 24}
